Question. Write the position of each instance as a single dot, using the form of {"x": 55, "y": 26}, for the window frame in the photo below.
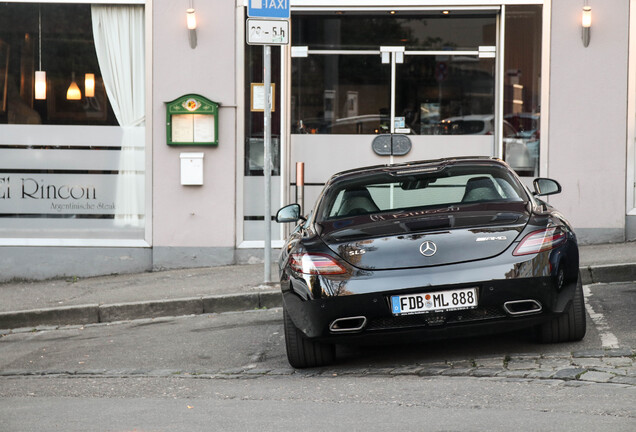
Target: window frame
{"x": 148, "y": 186}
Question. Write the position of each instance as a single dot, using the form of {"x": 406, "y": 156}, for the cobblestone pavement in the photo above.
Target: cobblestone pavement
{"x": 616, "y": 366}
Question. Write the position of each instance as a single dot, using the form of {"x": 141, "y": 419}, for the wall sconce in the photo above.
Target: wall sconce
{"x": 89, "y": 85}
{"x": 191, "y": 21}
{"x": 586, "y": 23}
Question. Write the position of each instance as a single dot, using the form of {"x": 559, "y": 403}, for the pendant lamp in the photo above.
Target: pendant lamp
{"x": 40, "y": 75}
{"x": 89, "y": 85}
{"x": 73, "y": 92}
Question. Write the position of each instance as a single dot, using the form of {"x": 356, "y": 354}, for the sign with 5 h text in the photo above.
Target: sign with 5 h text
{"x": 268, "y": 9}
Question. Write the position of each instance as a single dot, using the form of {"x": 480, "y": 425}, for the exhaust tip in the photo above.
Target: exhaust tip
{"x": 522, "y": 307}
{"x": 349, "y": 324}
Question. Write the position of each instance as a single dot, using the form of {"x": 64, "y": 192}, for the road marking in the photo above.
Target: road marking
{"x": 608, "y": 340}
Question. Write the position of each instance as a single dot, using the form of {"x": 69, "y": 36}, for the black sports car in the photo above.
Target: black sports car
{"x": 431, "y": 249}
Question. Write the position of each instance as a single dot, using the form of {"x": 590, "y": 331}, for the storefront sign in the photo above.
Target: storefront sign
{"x": 57, "y": 194}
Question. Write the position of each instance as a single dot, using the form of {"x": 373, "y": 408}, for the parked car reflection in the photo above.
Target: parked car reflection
{"x": 521, "y": 149}
{"x": 521, "y": 146}
{"x": 361, "y": 124}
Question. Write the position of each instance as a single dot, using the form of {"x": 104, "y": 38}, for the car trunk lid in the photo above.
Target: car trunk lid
{"x": 424, "y": 238}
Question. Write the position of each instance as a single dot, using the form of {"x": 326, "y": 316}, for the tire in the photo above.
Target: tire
{"x": 302, "y": 352}
{"x": 569, "y": 326}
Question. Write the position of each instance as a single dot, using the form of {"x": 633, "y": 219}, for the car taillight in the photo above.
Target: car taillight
{"x": 540, "y": 241}
{"x": 315, "y": 264}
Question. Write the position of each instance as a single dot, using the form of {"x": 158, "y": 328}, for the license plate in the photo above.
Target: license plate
{"x": 434, "y": 301}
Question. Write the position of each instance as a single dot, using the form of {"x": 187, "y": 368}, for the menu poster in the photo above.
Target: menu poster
{"x": 182, "y": 129}
{"x": 203, "y": 128}
{"x": 193, "y": 128}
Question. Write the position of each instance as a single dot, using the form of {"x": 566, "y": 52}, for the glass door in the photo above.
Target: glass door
{"x": 438, "y": 93}
{"x": 429, "y": 76}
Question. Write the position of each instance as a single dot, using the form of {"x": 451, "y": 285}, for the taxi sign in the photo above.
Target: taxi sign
{"x": 268, "y": 9}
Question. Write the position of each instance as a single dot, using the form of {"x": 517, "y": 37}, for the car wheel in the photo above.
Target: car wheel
{"x": 569, "y": 326}
{"x": 302, "y": 352}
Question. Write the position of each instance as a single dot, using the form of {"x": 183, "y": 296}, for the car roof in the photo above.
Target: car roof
{"x": 417, "y": 166}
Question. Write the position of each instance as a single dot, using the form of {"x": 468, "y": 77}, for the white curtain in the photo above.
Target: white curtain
{"x": 119, "y": 41}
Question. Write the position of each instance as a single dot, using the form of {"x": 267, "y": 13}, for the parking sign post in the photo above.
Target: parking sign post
{"x": 272, "y": 30}
{"x": 267, "y": 159}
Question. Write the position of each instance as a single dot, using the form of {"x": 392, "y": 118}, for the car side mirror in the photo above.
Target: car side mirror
{"x": 289, "y": 213}
{"x": 546, "y": 186}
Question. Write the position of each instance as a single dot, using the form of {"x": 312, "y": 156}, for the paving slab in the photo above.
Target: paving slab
{"x": 599, "y": 377}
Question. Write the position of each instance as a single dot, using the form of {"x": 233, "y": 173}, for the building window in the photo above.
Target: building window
{"x": 57, "y": 39}
{"x": 522, "y": 88}
{"x": 439, "y": 90}
{"x": 253, "y": 180}
{"x": 254, "y": 116}
{"x": 72, "y": 159}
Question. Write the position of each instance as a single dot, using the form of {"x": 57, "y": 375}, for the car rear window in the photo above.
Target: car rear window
{"x": 384, "y": 192}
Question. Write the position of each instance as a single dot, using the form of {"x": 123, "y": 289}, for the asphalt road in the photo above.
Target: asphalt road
{"x": 229, "y": 372}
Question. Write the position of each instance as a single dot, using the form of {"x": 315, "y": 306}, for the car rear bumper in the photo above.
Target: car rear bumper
{"x": 362, "y": 304}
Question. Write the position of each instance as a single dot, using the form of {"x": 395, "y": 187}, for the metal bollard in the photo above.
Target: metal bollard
{"x": 300, "y": 185}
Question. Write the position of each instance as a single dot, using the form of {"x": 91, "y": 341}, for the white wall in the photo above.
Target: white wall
{"x": 588, "y": 103}
{"x": 194, "y": 216}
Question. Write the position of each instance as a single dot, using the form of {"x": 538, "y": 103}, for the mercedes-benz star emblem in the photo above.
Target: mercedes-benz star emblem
{"x": 428, "y": 248}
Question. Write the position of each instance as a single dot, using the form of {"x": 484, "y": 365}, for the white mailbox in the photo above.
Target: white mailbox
{"x": 191, "y": 168}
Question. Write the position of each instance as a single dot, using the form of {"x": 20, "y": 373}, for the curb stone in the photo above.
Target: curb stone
{"x": 66, "y": 315}
{"x": 608, "y": 273}
{"x": 106, "y": 313}
{"x": 151, "y": 309}
{"x": 613, "y": 273}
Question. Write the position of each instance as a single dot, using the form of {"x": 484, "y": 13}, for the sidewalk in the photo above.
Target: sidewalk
{"x": 203, "y": 290}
